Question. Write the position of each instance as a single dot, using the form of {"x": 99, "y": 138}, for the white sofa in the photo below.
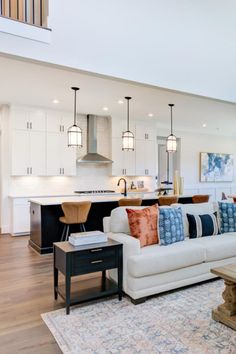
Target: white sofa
{"x": 154, "y": 269}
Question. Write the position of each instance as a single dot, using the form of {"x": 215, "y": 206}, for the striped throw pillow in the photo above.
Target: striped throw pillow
{"x": 203, "y": 225}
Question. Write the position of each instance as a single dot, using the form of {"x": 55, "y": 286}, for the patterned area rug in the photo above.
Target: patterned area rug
{"x": 178, "y": 322}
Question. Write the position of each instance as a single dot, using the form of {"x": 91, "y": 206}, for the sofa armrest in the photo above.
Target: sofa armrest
{"x": 106, "y": 224}
{"x": 131, "y": 247}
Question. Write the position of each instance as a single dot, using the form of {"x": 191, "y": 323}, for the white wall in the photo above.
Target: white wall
{"x": 191, "y": 146}
{"x": 183, "y": 45}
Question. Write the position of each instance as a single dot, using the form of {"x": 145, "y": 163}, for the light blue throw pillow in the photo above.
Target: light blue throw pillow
{"x": 171, "y": 228}
{"x": 227, "y": 217}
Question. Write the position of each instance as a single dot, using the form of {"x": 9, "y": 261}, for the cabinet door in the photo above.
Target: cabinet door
{"x": 37, "y": 119}
{"x": 53, "y": 154}
{"x": 117, "y": 157}
{"x": 53, "y": 122}
{"x": 145, "y": 131}
{"x": 20, "y": 153}
{"x": 67, "y": 121}
{"x": 150, "y": 157}
{"x": 20, "y": 217}
{"x": 19, "y": 118}
{"x": 68, "y": 154}
{"x": 129, "y": 162}
{"x": 37, "y": 153}
{"x": 140, "y": 160}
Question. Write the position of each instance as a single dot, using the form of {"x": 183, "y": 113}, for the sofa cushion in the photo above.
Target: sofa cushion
{"x": 143, "y": 224}
{"x": 119, "y": 219}
{"x": 217, "y": 248}
{"x": 203, "y": 225}
{"x": 156, "y": 259}
{"x": 227, "y": 216}
{"x": 194, "y": 209}
{"x": 170, "y": 226}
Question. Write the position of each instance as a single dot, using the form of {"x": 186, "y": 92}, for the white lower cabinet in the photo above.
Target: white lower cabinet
{"x": 123, "y": 161}
{"x": 145, "y": 158}
{"x": 60, "y": 159}
{"x": 20, "y": 216}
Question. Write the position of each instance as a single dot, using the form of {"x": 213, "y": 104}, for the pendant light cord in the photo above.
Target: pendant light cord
{"x": 75, "y": 110}
{"x": 128, "y": 98}
{"x": 171, "y": 105}
{"x": 128, "y": 115}
{"x": 75, "y": 90}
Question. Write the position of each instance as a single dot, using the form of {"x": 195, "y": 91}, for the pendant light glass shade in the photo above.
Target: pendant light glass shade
{"x": 128, "y": 141}
{"x": 171, "y": 141}
{"x": 74, "y": 133}
{"x": 128, "y": 136}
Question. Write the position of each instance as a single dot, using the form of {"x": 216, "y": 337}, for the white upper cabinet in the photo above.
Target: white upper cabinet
{"x": 60, "y": 159}
{"x": 123, "y": 161}
{"x": 20, "y": 154}
{"x": 145, "y": 131}
{"x": 28, "y": 153}
{"x": 58, "y": 122}
{"x": 145, "y": 164}
{"x": 39, "y": 143}
{"x": 28, "y": 119}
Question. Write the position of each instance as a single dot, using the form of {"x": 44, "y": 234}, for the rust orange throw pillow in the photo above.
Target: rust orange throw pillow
{"x": 143, "y": 224}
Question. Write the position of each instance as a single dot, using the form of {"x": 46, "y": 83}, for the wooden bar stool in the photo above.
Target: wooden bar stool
{"x": 168, "y": 199}
{"x": 200, "y": 198}
{"x": 74, "y": 213}
{"x": 130, "y": 202}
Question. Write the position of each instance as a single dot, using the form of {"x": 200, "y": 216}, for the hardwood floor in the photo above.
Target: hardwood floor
{"x": 26, "y": 291}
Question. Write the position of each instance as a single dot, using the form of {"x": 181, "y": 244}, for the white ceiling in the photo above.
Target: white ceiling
{"x": 37, "y": 85}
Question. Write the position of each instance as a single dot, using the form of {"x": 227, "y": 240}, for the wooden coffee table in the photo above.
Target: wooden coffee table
{"x": 226, "y": 313}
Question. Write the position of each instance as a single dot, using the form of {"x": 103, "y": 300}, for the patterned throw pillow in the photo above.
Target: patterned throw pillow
{"x": 227, "y": 217}
{"x": 171, "y": 227}
{"x": 203, "y": 225}
{"x": 143, "y": 224}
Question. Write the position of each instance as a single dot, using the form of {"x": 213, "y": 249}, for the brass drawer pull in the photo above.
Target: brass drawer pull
{"x": 96, "y": 250}
{"x": 99, "y": 261}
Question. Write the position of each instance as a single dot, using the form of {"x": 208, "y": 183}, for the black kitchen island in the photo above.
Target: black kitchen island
{"x": 45, "y": 227}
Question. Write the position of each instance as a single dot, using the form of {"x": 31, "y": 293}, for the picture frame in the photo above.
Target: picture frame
{"x": 216, "y": 167}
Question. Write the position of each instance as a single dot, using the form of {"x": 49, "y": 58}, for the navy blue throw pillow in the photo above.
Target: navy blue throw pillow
{"x": 203, "y": 225}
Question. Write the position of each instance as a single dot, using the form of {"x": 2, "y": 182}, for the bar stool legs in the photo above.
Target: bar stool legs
{"x": 66, "y": 231}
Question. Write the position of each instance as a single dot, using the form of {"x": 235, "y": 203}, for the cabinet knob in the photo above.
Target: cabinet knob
{"x": 98, "y": 261}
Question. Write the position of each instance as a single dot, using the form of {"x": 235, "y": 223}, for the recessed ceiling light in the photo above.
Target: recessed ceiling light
{"x": 105, "y": 108}
{"x": 204, "y": 125}
{"x": 120, "y": 102}
{"x": 55, "y": 101}
{"x": 150, "y": 114}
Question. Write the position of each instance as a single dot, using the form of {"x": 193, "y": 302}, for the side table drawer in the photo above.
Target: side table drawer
{"x": 93, "y": 261}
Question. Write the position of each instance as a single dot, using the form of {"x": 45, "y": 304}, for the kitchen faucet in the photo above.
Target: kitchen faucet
{"x": 125, "y": 190}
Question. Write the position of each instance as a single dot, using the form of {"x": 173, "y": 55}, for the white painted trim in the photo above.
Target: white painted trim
{"x": 25, "y": 30}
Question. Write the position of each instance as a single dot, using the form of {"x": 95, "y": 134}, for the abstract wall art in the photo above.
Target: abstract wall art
{"x": 215, "y": 167}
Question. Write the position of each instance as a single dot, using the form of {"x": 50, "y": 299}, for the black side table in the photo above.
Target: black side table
{"x": 72, "y": 261}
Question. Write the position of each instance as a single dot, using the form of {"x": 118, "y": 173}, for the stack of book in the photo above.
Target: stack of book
{"x": 86, "y": 238}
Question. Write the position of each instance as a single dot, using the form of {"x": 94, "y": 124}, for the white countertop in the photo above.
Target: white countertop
{"x": 93, "y": 198}
{"x": 72, "y": 194}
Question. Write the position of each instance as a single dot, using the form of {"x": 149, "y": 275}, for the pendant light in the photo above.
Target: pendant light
{"x": 74, "y": 133}
{"x": 171, "y": 141}
{"x": 128, "y": 136}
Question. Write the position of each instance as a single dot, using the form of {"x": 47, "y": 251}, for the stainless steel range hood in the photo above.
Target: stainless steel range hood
{"x": 92, "y": 155}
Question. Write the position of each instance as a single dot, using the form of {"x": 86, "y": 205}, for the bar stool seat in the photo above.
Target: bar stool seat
{"x": 74, "y": 213}
{"x": 168, "y": 200}
{"x": 130, "y": 202}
